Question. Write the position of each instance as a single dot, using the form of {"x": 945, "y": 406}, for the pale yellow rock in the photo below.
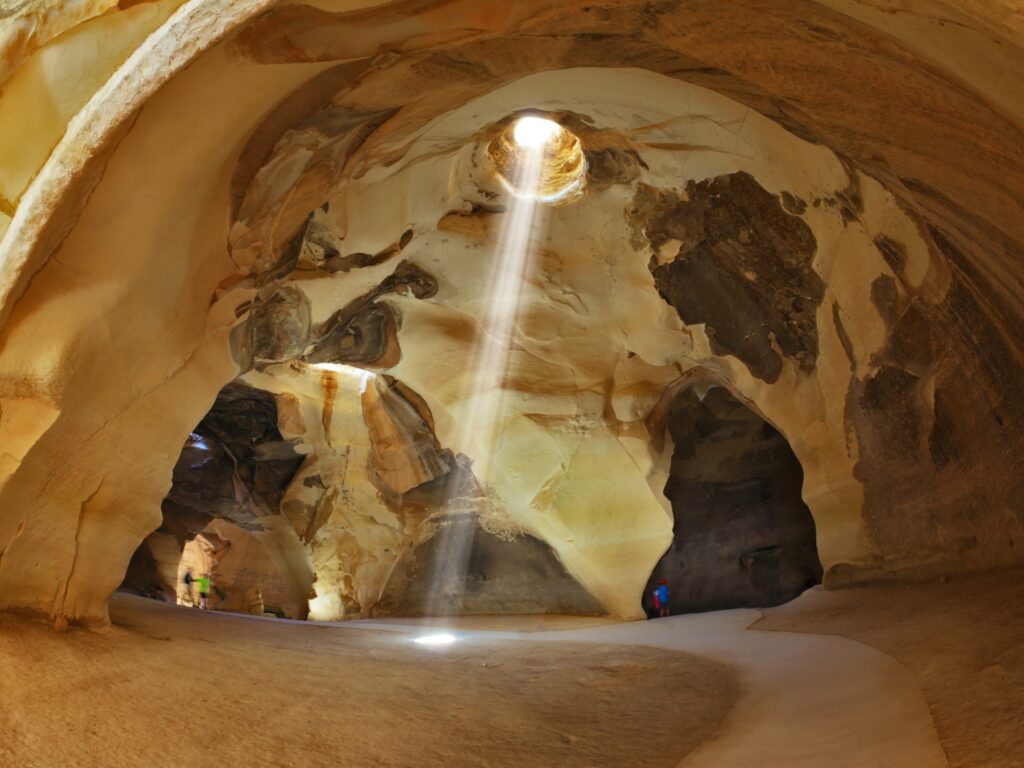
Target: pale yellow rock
{"x": 127, "y": 176}
{"x": 56, "y": 81}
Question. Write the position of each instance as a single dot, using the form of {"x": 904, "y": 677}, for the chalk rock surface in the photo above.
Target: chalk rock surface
{"x": 812, "y": 206}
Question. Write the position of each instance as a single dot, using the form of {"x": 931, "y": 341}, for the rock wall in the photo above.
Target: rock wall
{"x": 334, "y": 209}
{"x": 234, "y": 466}
{"x": 465, "y": 569}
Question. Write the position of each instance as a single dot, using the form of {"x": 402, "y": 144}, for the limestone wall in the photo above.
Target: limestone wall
{"x": 177, "y": 199}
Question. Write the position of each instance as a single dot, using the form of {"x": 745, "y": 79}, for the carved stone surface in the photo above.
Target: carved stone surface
{"x": 235, "y": 466}
{"x": 279, "y": 186}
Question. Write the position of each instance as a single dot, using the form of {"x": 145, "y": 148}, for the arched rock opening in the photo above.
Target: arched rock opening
{"x": 327, "y": 482}
{"x": 222, "y": 513}
{"x": 742, "y": 534}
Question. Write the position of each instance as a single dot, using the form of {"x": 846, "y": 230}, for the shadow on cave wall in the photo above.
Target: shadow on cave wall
{"x": 743, "y": 537}
{"x": 465, "y": 569}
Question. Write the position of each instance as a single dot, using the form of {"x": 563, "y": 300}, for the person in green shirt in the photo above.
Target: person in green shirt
{"x": 203, "y": 585}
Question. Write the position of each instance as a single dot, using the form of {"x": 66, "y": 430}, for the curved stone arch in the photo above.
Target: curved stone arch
{"x": 67, "y": 529}
{"x": 742, "y": 534}
{"x": 706, "y": 378}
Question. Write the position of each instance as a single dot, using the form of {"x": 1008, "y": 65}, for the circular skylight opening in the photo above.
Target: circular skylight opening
{"x": 532, "y": 132}
{"x": 537, "y": 159}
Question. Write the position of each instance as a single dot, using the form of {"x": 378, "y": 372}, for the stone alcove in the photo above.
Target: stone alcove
{"x": 742, "y": 534}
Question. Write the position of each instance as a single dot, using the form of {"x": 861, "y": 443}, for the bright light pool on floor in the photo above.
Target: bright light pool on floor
{"x": 440, "y": 638}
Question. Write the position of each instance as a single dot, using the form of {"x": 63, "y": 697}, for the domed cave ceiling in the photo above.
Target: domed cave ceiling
{"x": 833, "y": 258}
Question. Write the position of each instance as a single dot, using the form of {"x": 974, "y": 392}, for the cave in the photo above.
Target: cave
{"x": 440, "y": 332}
{"x": 221, "y": 514}
{"x": 742, "y": 535}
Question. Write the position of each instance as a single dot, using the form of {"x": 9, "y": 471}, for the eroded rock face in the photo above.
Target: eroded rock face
{"x": 941, "y": 445}
{"x": 376, "y": 494}
{"x": 743, "y": 537}
{"x": 235, "y": 465}
{"x": 245, "y": 575}
{"x": 851, "y": 271}
{"x": 742, "y": 267}
{"x": 363, "y": 332}
{"x": 465, "y": 569}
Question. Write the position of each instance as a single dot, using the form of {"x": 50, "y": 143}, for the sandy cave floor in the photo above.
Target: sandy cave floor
{"x": 963, "y": 641}
{"x": 173, "y": 687}
{"x": 895, "y": 675}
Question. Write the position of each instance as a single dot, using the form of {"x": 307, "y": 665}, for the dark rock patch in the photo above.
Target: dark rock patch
{"x": 744, "y": 270}
{"x": 891, "y": 399}
{"x": 278, "y": 325}
{"x": 946, "y": 443}
{"x": 143, "y": 576}
{"x": 793, "y": 204}
{"x": 844, "y": 337}
{"x": 235, "y": 465}
{"x": 365, "y": 331}
{"x": 894, "y": 253}
{"x": 939, "y": 431}
{"x": 885, "y": 297}
{"x": 362, "y": 335}
{"x": 465, "y": 569}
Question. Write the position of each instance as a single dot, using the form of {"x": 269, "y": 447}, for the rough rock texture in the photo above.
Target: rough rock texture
{"x": 743, "y": 537}
{"x": 246, "y": 575}
{"x": 332, "y": 691}
{"x": 148, "y": 576}
{"x": 334, "y": 208}
{"x": 394, "y": 524}
{"x": 743, "y": 268}
{"x": 465, "y": 569}
{"x": 234, "y": 466}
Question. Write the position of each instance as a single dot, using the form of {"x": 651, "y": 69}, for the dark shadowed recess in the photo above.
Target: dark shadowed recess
{"x": 235, "y": 465}
{"x": 465, "y": 569}
{"x": 743, "y": 537}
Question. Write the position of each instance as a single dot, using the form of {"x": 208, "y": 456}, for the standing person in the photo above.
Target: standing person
{"x": 187, "y": 581}
{"x": 661, "y": 598}
{"x": 203, "y": 583}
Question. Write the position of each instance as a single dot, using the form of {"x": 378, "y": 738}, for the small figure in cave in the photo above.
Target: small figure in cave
{"x": 187, "y": 581}
{"x": 203, "y": 582}
{"x": 661, "y": 598}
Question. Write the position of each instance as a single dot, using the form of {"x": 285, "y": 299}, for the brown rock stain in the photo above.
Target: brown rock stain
{"x": 329, "y": 385}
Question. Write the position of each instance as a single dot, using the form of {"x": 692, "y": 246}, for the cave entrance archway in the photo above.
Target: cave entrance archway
{"x": 221, "y": 515}
{"x": 743, "y": 536}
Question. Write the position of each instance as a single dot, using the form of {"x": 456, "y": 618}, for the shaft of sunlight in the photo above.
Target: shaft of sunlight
{"x": 482, "y": 399}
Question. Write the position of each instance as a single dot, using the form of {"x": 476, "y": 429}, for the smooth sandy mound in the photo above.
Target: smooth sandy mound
{"x": 173, "y": 687}
{"x": 963, "y": 640}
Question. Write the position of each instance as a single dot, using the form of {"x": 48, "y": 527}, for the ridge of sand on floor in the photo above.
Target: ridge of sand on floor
{"x": 806, "y": 701}
{"x": 173, "y": 687}
{"x": 963, "y": 640}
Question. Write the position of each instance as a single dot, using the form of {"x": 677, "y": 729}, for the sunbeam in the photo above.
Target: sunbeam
{"x": 478, "y": 434}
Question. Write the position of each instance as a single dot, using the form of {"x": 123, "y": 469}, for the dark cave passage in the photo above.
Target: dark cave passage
{"x": 743, "y": 537}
